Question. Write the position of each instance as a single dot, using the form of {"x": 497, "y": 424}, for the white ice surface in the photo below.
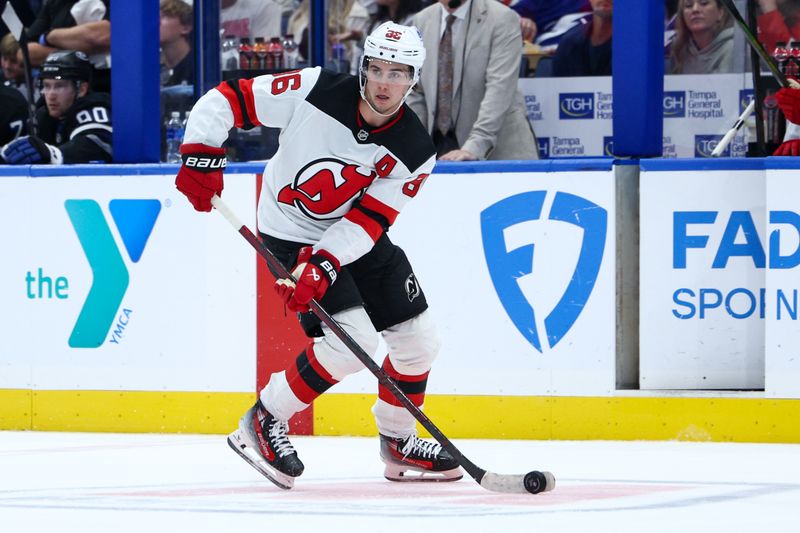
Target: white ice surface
{"x": 112, "y": 483}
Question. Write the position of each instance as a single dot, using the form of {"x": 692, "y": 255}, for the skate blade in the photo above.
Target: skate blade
{"x": 405, "y": 473}
{"x": 254, "y": 459}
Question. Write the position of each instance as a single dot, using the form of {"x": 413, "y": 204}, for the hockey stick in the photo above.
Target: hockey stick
{"x": 753, "y": 41}
{"x": 722, "y": 144}
{"x": 533, "y": 482}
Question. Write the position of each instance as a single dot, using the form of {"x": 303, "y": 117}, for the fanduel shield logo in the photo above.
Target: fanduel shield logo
{"x": 506, "y": 267}
{"x": 134, "y": 220}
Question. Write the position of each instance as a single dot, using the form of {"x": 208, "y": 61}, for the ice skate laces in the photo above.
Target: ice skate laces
{"x": 278, "y": 430}
{"x": 423, "y": 449}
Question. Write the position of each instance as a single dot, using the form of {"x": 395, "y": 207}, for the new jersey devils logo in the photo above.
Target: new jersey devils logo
{"x": 324, "y": 188}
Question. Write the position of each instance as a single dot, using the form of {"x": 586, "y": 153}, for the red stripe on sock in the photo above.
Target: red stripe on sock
{"x": 397, "y": 376}
{"x": 315, "y": 364}
{"x": 388, "y": 397}
{"x": 299, "y": 387}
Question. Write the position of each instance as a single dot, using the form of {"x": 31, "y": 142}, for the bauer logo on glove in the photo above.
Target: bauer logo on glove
{"x": 205, "y": 162}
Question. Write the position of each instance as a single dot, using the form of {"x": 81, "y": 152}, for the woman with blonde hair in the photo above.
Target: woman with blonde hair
{"x": 703, "y": 39}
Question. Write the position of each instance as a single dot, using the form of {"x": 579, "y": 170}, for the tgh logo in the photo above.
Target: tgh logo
{"x": 507, "y": 266}
{"x": 134, "y": 220}
{"x": 575, "y": 105}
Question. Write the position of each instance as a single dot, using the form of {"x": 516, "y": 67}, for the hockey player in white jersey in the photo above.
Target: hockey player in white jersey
{"x": 351, "y": 155}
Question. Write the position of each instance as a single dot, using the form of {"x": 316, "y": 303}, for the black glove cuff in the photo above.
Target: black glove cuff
{"x": 327, "y": 264}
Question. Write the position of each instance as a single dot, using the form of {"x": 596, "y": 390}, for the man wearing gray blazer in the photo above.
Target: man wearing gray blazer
{"x": 487, "y": 113}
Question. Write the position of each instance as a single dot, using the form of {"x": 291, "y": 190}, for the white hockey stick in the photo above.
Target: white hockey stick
{"x": 726, "y": 140}
{"x": 532, "y": 482}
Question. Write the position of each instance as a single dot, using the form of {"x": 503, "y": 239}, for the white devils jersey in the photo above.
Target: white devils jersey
{"x": 335, "y": 181}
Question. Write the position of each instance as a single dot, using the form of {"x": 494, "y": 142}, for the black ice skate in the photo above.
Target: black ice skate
{"x": 413, "y": 459}
{"x": 261, "y": 441}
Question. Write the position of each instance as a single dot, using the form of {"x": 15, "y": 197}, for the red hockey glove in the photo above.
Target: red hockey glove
{"x": 791, "y": 148}
{"x": 314, "y": 274}
{"x": 200, "y": 176}
{"x": 789, "y": 102}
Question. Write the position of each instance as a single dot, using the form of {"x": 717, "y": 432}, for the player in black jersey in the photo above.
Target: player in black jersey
{"x": 352, "y": 155}
{"x": 13, "y": 114}
{"x": 74, "y": 125}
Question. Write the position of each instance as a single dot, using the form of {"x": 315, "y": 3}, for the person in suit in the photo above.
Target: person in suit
{"x": 480, "y": 114}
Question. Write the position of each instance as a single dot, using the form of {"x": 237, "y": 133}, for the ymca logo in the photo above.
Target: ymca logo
{"x": 674, "y": 104}
{"x": 544, "y": 147}
{"x": 507, "y": 267}
{"x": 704, "y": 145}
{"x": 134, "y": 220}
{"x": 575, "y": 105}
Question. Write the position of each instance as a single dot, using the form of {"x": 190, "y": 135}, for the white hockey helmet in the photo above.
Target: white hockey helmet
{"x": 396, "y": 43}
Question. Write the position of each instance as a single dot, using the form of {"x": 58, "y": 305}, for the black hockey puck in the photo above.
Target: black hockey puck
{"x": 536, "y": 482}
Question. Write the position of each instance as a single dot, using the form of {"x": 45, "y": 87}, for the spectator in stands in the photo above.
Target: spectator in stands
{"x": 779, "y": 21}
{"x": 539, "y": 16}
{"x": 468, "y": 96}
{"x": 13, "y": 68}
{"x": 586, "y": 49}
{"x": 347, "y": 20}
{"x": 74, "y": 125}
{"x": 175, "y": 31}
{"x": 250, "y": 18}
{"x": 13, "y": 115}
{"x": 399, "y": 11}
{"x": 703, "y": 39}
{"x": 74, "y": 25}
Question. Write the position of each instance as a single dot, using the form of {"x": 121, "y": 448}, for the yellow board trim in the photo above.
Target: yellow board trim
{"x": 123, "y": 411}
{"x": 15, "y": 409}
{"x": 719, "y": 419}
{"x": 579, "y": 418}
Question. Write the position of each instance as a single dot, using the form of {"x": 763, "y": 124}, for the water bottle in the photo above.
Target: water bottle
{"x": 338, "y": 56}
{"x": 794, "y": 60}
{"x": 781, "y": 55}
{"x": 291, "y": 53}
{"x": 261, "y": 60}
{"x": 245, "y": 54}
{"x": 174, "y": 131}
{"x": 230, "y": 53}
{"x": 275, "y": 52}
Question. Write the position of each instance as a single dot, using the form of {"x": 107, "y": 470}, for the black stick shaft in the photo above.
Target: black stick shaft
{"x": 758, "y": 86}
{"x": 33, "y": 127}
{"x": 754, "y": 43}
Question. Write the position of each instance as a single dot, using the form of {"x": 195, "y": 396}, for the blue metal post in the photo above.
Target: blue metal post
{"x": 135, "y": 82}
{"x": 318, "y": 34}
{"x": 206, "y": 45}
{"x": 638, "y": 77}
